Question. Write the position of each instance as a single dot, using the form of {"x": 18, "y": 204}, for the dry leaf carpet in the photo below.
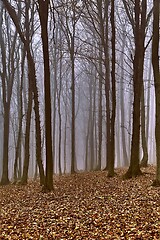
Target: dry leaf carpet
{"x": 82, "y": 206}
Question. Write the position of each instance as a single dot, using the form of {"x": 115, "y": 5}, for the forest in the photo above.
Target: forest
{"x": 80, "y": 119}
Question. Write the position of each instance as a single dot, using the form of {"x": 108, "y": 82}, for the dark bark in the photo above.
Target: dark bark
{"x": 113, "y": 116}
{"x": 91, "y": 126}
{"x": 156, "y": 72}
{"x": 103, "y": 25}
{"x": 33, "y": 82}
{"x": 73, "y": 151}
{"x": 138, "y": 62}
{"x": 5, "y": 179}
{"x": 100, "y": 115}
{"x": 32, "y": 75}
{"x": 7, "y": 85}
{"x": 86, "y": 147}
{"x": 60, "y": 118}
{"x": 43, "y": 15}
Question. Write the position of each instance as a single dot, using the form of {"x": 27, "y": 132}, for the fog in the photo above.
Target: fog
{"x": 89, "y": 72}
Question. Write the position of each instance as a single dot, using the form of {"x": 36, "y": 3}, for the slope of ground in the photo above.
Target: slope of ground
{"x": 83, "y": 206}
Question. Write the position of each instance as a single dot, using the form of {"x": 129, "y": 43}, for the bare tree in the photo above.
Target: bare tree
{"x": 156, "y": 72}
{"x": 20, "y": 77}
{"x": 69, "y": 15}
{"x": 113, "y": 80}
{"x": 32, "y": 79}
{"x": 43, "y": 10}
{"x": 139, "y": 23}
{"x": 7, "y": 74}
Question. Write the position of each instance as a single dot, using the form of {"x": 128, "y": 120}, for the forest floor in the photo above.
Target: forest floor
{"x": 83, "y": 206}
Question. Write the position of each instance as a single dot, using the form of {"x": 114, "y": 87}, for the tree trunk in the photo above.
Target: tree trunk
{"x": 100, "y": 114}
{"x": 124, "y": 142}
{"x": 156, "y": 72}
{"x": 60, "y": 118}
{"x": 138, "y": 62}
{"x": 112, "y": 157}
{"x": 73, "y": 151}
{"x": 20, "y": 116}
{"x": 5, "y": 179}
{"x": 43, "y": 14}
{"x": 27, "y": 139}
{"x": 7, "y": 85}
{"x": 32, "y": 77}
{"x": 144, "y": 161}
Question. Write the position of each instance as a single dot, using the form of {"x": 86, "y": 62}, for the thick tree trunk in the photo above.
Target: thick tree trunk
{"x": 33, "y": 82}
{"x": 43, "y": 14}
{"x": 138, "y": 62}
{"x": 32, "y": 76}
{"x": 5, "y": 179}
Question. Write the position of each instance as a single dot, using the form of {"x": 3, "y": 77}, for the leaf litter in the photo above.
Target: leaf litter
{"x": 83, "y": 206}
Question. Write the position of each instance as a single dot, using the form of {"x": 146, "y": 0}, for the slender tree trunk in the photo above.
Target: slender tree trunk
{"x": 60, "y": 118}
{"x": 73, "y": 150}
{"x": 138, "y": 62}
{"x": 100, "y": 115}
{"x": 107, "y": 90}
{"x": 20, "y": 100}
{"x": 65, "y": 141}
{"x": 112, "y": 157}
{"x": 65, "y": 129}
{"x": 86, "y": 148}
{"x": 148, "y": 101}
{"x": 94, "y": 162}
{"x": 156, "y": 72}
{"x": 24, "y": 178}
{"x": 32, "y": 76}
{"x": 91, "y": 127}
{"x": 144, "y": 161}
{"x": 55, "y": 90}
{"x": 7, "y": 85}
{"x": 124, "y": 143}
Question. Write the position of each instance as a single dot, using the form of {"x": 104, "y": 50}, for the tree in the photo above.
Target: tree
{"x": 32, "y": 80}
{"x": 144, "y": 160}
{"x": 20, "y": 77}
{"x": 156, "y": 72}
{"x": 113, "y": 80}
{"x": 98, "y": 15}
{"x": 43, "y": 10}
{"x": 7, "y": 75}
{"x": 138, "y": 25}
{"x": 70, "y": 12}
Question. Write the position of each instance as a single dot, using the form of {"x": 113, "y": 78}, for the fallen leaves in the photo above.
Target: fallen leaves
{"x": 82, "y": 206}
